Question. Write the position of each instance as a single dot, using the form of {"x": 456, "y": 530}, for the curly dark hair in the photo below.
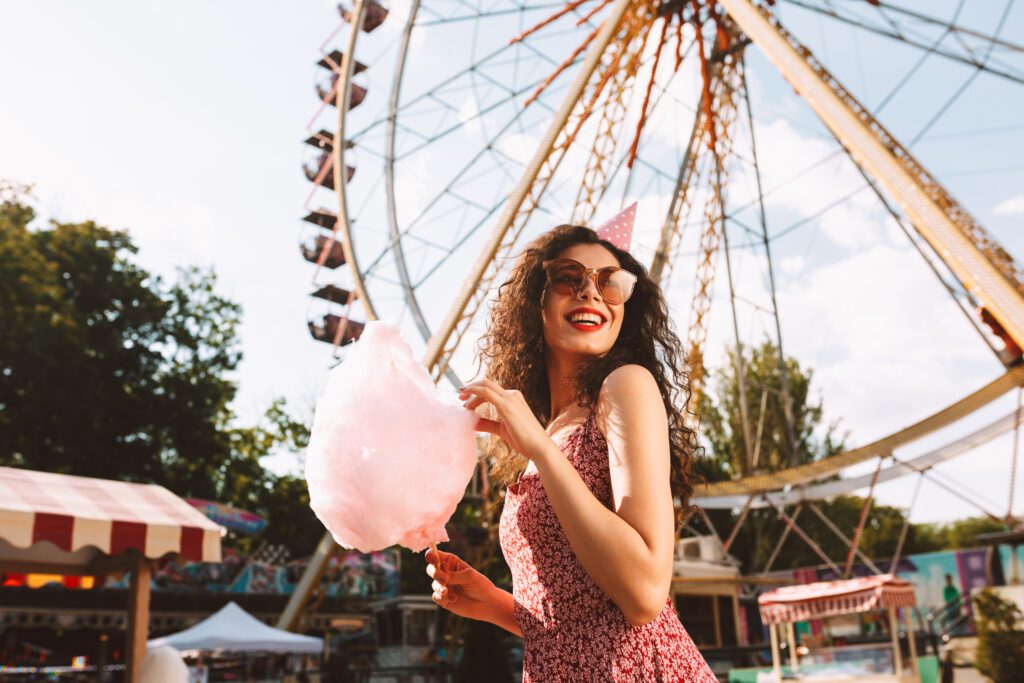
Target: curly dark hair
{"x": 512, "y": 351}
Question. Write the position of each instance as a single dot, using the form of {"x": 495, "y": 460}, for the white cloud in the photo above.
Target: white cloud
{"x": 519, "y": 146}
{"x": 1014, "y": 206}
{"x": 886, "y": 329}
{"x": 792, "y": 265}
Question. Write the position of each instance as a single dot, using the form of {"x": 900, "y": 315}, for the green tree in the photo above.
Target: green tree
{"x": 107, "y": 370}
{"x": 1000, "y": 654}
{"x": 722, "y": 427}
{"x": 963, "y": 533}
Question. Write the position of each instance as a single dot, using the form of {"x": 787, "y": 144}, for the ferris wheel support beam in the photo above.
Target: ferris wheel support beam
{"x": 970, "y": 253}
{"x": 438, "y": 345}
{"x": 299, "y": 600}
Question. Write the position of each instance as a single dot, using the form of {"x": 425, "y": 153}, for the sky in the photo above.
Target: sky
{"x": 182, "y": 123}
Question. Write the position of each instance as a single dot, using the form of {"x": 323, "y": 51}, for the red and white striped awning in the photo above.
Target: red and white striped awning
{"x": 832, "y": 598}
{"x": 75, "y": 513}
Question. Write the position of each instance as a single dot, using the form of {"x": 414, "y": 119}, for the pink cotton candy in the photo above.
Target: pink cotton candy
{"x": 388, "y": 458}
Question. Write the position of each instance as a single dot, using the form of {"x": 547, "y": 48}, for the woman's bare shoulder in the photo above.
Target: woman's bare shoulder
{"x": 630, "y": 381}
{"x": 628, "y": 390}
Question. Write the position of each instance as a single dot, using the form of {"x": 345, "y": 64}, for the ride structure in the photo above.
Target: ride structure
{"x": 568, "y": 156}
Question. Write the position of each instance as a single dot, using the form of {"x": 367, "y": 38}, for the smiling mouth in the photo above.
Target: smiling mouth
{"x": 586, "y": 322}
{"x": 586, "y": 327}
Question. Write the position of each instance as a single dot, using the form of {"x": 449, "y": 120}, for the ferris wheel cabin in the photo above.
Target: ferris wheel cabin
{"x": 374, "y": 15}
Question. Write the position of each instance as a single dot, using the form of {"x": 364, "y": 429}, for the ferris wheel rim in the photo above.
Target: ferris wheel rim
{"x": 340, "y": 182}
{"x": 396, "y": 245}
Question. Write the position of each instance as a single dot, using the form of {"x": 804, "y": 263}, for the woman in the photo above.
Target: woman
{"x": 584, "y": 376}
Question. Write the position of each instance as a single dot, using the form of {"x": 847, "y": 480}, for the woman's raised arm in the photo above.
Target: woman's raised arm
{"x": 626, "y": 550}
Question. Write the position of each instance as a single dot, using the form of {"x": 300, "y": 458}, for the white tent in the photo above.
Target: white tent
{"x": 234, "y": 630}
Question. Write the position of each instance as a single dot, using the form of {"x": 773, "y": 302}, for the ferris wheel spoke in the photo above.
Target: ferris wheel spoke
{"x": 476, "y": 228}
{"x": 966, "y": 84}
{"x": 490, "y": 60}
{"x": 440, "y": 21}
{"x": 839, "y": 201}
{"x": 407, "y": 232}
{"x": 467, "y": 168}
{"x": 961, "y": 30}
{"x": 910, "y": 74}
{"x": 965, "y": 56}
{"x": 439, "y": 135}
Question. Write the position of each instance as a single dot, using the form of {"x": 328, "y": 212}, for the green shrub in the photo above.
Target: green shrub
{"x": 1000, "y": 654}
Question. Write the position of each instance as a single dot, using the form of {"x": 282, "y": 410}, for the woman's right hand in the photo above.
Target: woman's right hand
{"x": 458, "y": 587}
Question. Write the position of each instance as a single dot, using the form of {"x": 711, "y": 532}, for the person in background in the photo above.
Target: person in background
{"x": 953, "y": 604}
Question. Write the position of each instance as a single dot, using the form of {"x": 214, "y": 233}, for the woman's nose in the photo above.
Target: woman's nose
{"x": 590, "y": 288}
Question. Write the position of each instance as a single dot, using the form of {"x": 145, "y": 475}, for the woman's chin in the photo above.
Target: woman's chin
{"x": 585, "y": 349}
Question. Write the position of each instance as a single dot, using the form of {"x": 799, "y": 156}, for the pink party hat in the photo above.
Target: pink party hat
{"x": 619, "y": 229}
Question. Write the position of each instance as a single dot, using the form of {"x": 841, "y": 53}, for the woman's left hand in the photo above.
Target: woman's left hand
{"x": 516, "y": 423}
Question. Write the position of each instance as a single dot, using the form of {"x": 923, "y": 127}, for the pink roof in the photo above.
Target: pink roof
{"x": 111, "y": 516}
{"x": 831, "y": 598}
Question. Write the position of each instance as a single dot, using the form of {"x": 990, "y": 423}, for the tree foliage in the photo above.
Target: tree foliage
{"x": 1000, "y": 654}
{"x": 722, "y": 427}
{"x": 107, "y": 370}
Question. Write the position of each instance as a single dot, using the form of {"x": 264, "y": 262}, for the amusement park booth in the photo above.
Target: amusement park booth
{"x": 705, "y": 592}
{"x": 783, "y": 607}
{"x": 79, "y": 526}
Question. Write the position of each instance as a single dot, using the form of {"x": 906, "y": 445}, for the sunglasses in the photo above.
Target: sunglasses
{"x": 566, "y": 276}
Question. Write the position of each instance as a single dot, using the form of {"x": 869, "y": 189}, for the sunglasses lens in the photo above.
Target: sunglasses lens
{"x": 566, "y": 278}
{"x": 616, "y": 285}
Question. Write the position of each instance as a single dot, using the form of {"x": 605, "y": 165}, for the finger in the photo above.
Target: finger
{"x": 490, "y": 426}
{"x": 433, "y": 557}
{"x": 439, "y": 588}
{"x": 473, "y": 403}
{"x": 491, "y": 384}
{"x": 482, "y": 382}
{"x": 443, "y": 600}
{"x": 435, "y": 573}
{"x": 486, "y": 393}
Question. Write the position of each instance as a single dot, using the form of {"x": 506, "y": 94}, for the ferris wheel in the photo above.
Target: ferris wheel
{"x": 469, "y": 128}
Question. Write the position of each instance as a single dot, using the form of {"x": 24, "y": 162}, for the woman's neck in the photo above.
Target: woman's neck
{"x": 561, "y": 381}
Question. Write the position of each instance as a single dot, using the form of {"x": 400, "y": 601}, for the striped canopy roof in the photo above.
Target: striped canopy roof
{"x": 79, "y": 513}
{"x": 832, "y": 598}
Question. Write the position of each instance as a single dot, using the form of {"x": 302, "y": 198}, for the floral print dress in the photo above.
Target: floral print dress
{"x": 572, "y": 631}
